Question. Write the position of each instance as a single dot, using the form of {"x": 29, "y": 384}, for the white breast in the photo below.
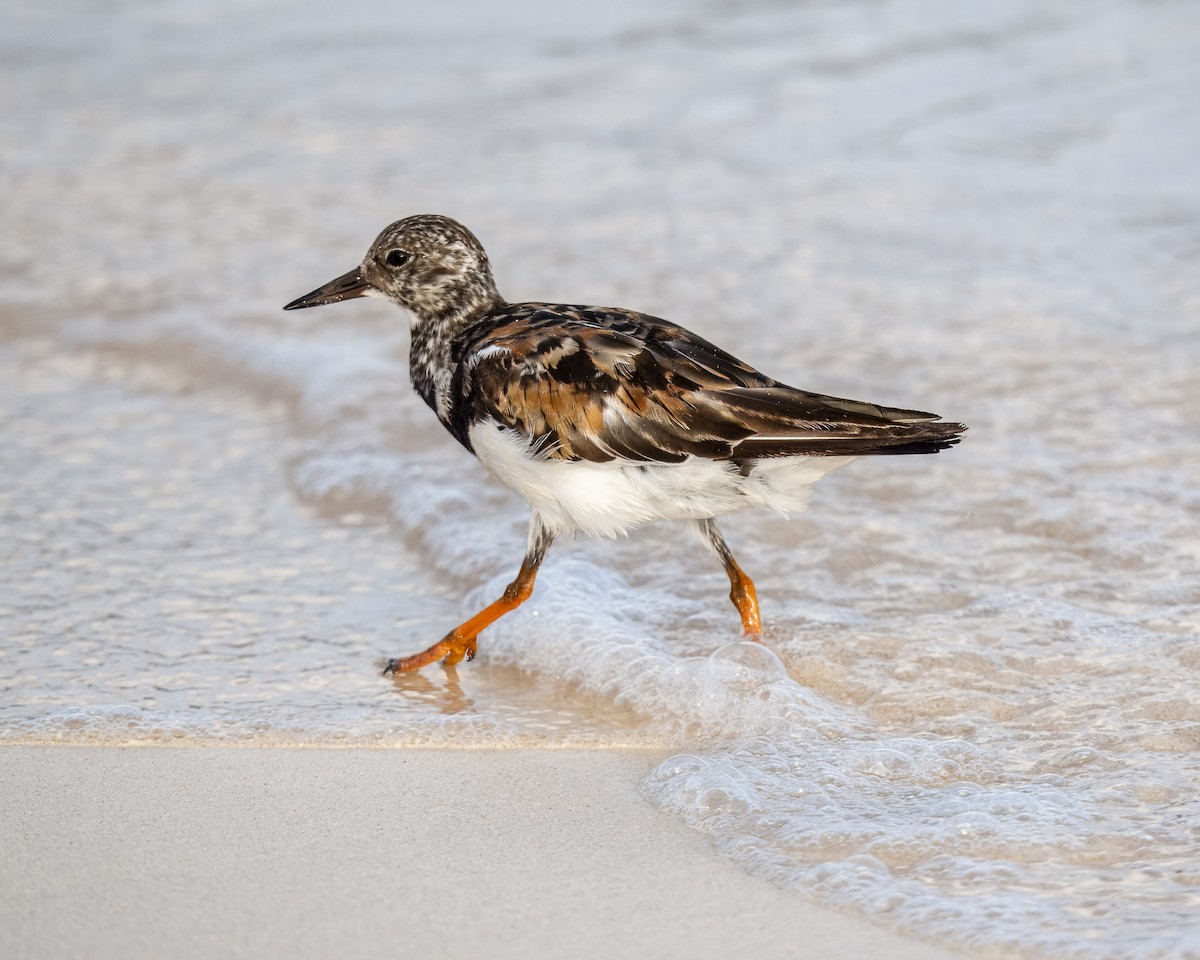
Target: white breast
{"x": 607, "y": 499}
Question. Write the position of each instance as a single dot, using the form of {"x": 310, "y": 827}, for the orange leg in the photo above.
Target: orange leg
{"x": 741, "y": 587}
{"x": 461, "y": 641}
{"x": 745, "y": 598}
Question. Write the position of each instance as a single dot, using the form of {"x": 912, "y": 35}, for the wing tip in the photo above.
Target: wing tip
{"x": 931, "y": 437}
{"x": 902, "y": 440}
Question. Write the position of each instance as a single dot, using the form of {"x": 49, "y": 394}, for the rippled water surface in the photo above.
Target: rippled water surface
{"x": 977, "y": 719}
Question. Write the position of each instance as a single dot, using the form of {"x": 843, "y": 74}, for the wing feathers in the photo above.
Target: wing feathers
{"x": 595, "y": 384}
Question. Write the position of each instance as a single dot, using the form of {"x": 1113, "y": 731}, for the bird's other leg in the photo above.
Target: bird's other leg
{"x": 460, "y": 642}
{"x": 741, "y": 587}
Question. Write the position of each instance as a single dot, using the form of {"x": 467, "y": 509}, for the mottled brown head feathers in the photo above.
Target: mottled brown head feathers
{"x": 433, "y": 267}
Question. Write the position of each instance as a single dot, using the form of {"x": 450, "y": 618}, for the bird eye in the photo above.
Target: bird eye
{"x": 397, "y": 258}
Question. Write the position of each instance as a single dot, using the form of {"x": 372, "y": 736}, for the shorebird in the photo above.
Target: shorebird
{"x": 602, "y": 418}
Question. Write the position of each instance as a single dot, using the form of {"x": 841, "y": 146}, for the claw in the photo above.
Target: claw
{"x": 459, "y": 647}
{"x": 450, "y": 650}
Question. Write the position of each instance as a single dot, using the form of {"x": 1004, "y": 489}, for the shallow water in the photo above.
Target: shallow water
{"x": 979, "y": 722}
{"x": 166, "y": 585}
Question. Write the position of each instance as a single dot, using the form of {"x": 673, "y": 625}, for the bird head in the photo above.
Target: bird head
{"x": 432, "y": 266}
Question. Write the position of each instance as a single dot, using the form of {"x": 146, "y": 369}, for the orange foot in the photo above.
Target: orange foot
{"x": 450, "y": 650}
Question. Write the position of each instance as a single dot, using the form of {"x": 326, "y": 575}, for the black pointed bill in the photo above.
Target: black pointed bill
{"x": 346, "y": 287}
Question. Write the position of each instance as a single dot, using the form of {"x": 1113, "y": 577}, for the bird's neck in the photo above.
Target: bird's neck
{"x": 431, "y": 358}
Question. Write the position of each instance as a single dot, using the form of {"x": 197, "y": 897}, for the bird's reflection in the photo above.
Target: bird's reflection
{"x": 447, "y": 695}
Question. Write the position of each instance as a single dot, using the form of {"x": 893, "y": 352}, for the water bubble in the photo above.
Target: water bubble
{"x": 887, "y": 763}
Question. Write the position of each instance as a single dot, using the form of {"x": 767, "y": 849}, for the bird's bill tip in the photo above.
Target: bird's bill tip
{"x": 346, "y": 287}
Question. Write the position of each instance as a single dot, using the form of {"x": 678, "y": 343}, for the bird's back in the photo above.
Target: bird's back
{"x": 603, "y": 384}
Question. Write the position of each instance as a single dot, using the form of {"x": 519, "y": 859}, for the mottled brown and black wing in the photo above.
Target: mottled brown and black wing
{"x": 585, "y": 383}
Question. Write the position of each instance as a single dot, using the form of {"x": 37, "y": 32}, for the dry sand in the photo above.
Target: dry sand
{"x": 219, "y": 852}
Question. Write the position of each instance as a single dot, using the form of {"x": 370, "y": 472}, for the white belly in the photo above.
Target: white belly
{"x": 606, "y": 499}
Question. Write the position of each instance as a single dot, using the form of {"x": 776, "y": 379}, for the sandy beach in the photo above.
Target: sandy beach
{"x": 131, "y": 852}
{"x": 206, "y": 852}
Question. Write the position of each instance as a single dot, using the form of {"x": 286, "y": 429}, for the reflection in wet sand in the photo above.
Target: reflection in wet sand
{"x": 439, "y": 687}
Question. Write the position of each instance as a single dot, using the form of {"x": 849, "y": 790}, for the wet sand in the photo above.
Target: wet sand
{"x": 203, "y": 852}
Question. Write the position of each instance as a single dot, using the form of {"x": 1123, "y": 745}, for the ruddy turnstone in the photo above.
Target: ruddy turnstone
{"x": 603, "y": 418}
